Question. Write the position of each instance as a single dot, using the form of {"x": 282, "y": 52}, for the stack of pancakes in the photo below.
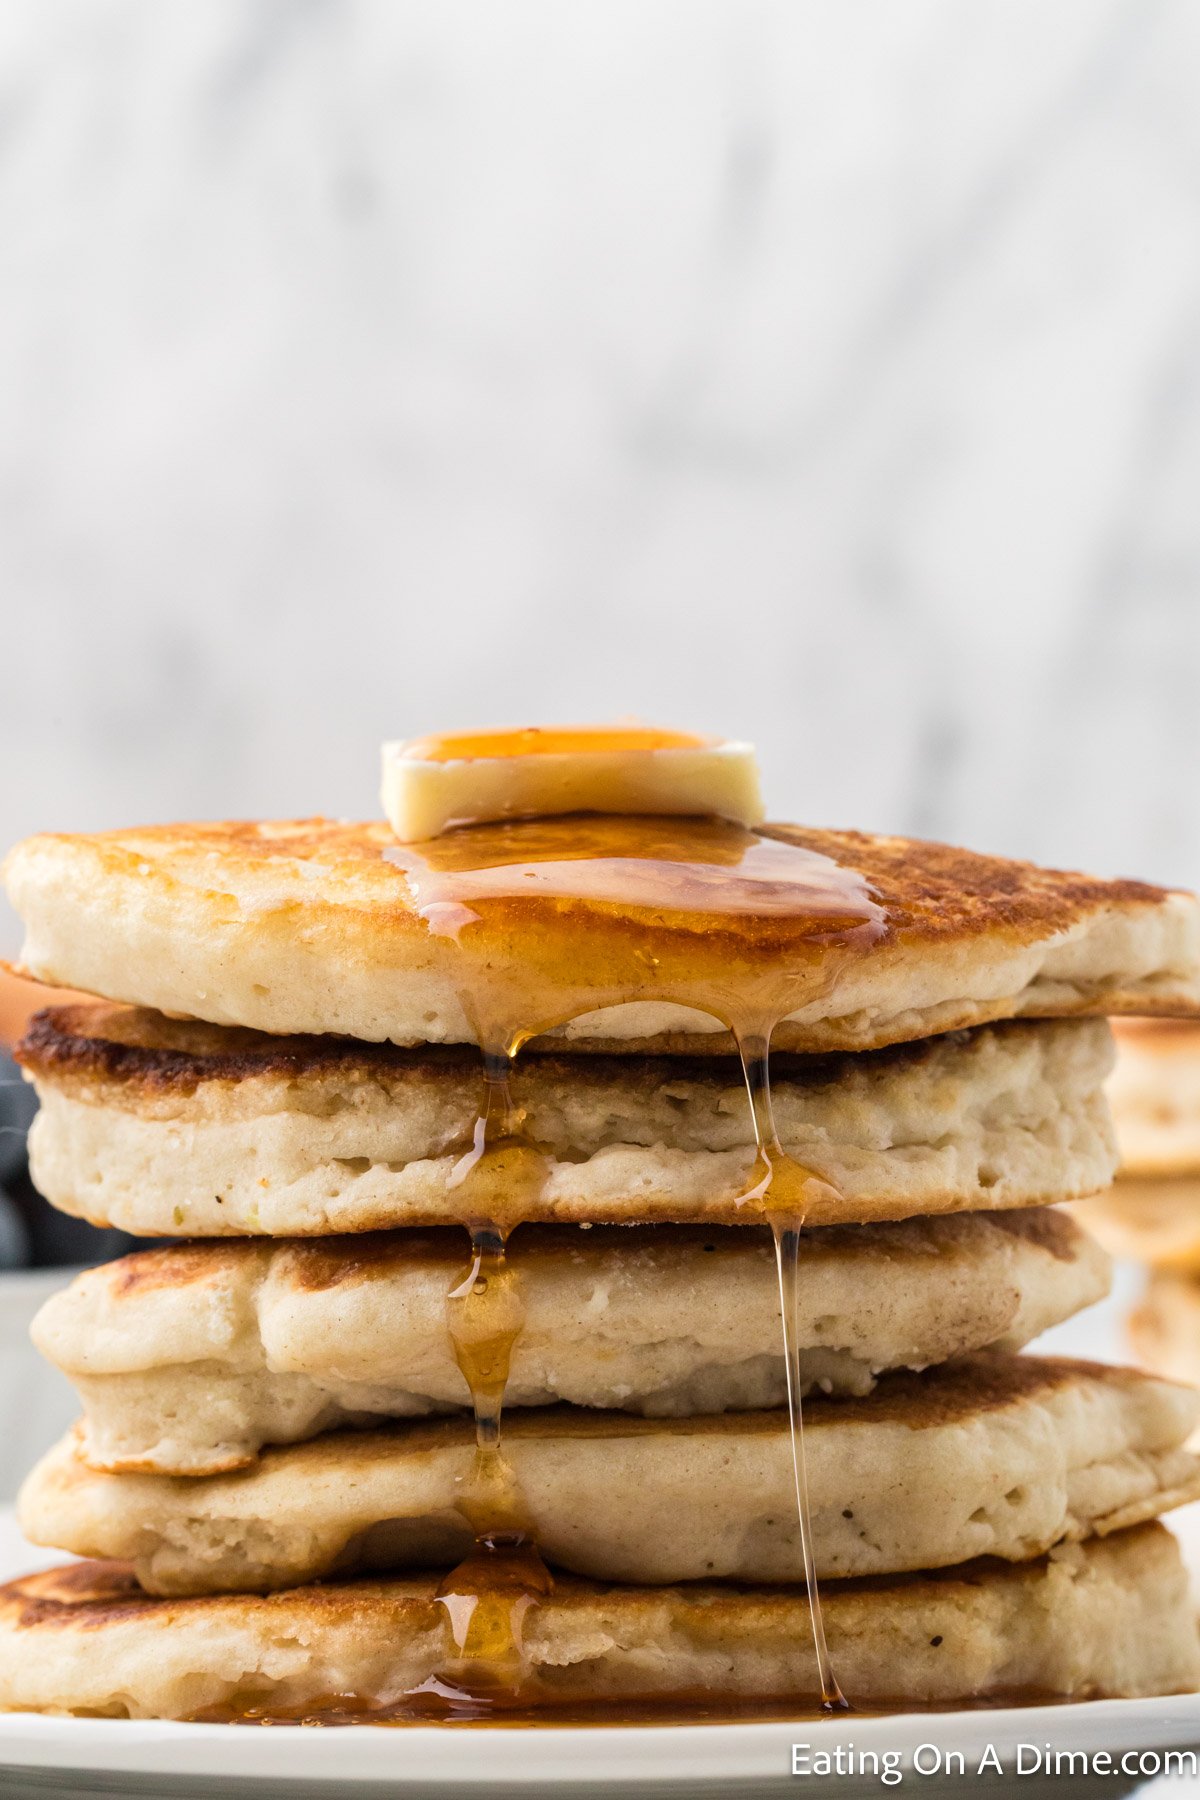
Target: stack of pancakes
{"x": 278, "y": 1462}
{"x": 1152, "y": 1213}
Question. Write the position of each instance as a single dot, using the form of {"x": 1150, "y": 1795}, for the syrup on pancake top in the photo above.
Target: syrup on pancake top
{"x": 302, "y": 926}
{"x": 673, "y": 887}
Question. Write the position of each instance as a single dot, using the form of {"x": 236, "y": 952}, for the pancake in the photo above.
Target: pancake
{"x": 1165, "y": 1326}
{"x": 1103, "y": 1619}
{"x": 1156, "y": 1222}
{"x": 1155, "y": 1096}
{"x": 172, "y": 1129}
{"x": 188, "y": 1360}
{"x": 634, "y": 930}
{"x": 1107, "y": 1618}
{"x": 996, "y": 1455}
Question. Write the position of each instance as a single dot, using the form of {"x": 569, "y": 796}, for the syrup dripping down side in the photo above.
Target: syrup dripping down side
{"x": 782, "y": 1189}
{"x": 488, "y": 1595}
{"x": 685, "y": 868}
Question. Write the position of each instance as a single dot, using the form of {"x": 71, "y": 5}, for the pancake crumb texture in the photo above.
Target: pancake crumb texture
{"x": 1109, "y": 1617}
{"x": 189, "y": 1359}
{"x": 315, "y": 1139}
{"x": 997, "y": 1455}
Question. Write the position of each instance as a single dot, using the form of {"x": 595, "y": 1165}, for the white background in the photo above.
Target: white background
{"x": 823, "y": 373}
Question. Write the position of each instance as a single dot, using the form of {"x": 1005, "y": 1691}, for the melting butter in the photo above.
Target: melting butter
{"x": 431, "y": 785}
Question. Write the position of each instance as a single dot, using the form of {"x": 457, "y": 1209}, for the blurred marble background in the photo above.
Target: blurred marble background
{"x": 823, "y": 373}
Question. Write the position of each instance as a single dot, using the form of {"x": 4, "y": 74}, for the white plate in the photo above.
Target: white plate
{"x": 47, "y": 1757}
{"x": 89, "y": 1756}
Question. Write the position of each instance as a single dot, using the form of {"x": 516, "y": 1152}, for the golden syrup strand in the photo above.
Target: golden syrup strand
{"x": 780, "y": 1190}
{"x": 484, "y": 1316}
{"x": 497, "y": 1118}
{"x": 484, "y": 1311}
{"x": 787, "y": 1253}
{"x": 487, "y": 1596}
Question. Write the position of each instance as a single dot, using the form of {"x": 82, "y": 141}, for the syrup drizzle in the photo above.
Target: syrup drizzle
{"x": 783, "y": 1188}
{"x": 488, "y": 1595}
{"x": 681, "y": 873}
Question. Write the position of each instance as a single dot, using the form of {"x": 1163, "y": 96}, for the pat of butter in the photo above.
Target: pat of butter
{"x": 433, "y": 784}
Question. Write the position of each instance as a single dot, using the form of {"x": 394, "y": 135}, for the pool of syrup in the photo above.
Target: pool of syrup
{"x": 438, "y": 1704}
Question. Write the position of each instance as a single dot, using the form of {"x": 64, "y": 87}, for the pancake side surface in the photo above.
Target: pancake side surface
{"x": 188, "y": 1360}
{"x": 1106, "y": 1618}
{"x": 303, "y": 926}
{"x": 173, "y": 1129}
{"x": 999, "y": 1454}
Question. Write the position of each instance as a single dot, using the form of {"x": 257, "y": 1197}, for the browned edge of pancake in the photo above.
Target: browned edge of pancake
{"x": 136, "y": 1047}
{"x": 89, "y": 1594}
{"x": 318, "y": 1264}
{"x": 986, "y": 1382}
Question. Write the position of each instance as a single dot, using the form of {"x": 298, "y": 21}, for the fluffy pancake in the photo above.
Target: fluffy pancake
{"x": 1155, "y": 1096}
{"x": 1106, "y": 1618}
{"x": 188, "y": 1360}
{"x": 173, "y": 1129}
{"x": 1165, "y": 1326}
{"x": 997, "y": 1455}
{"x": 1157, "y": 1222}
{"x": 306, "y": 926}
